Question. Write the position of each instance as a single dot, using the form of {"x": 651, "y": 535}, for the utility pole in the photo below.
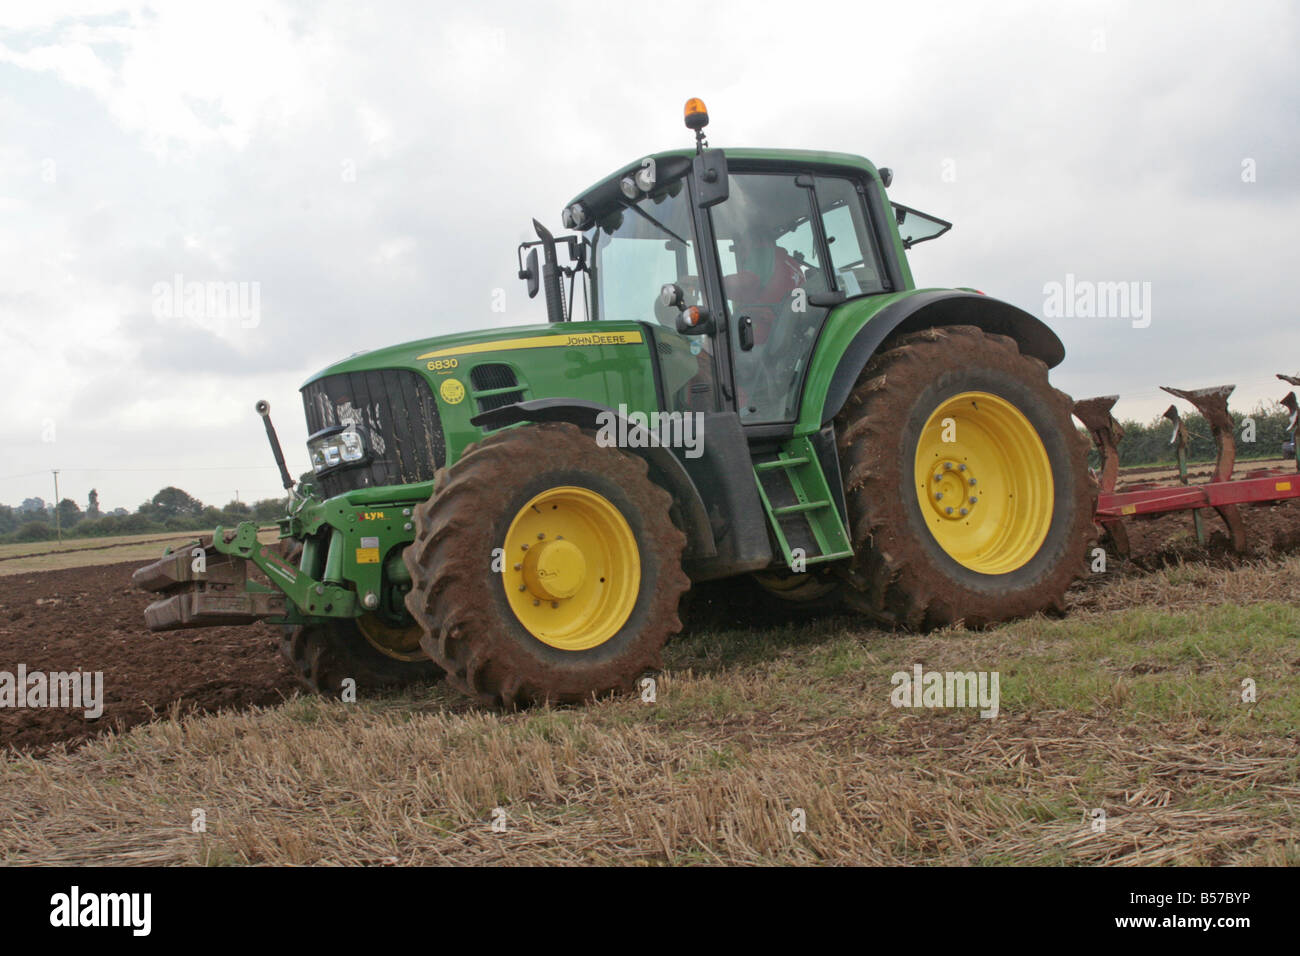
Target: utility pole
{"x": 58, "y": 530}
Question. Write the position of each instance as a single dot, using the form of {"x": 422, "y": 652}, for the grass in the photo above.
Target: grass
{"x": 85, "y": 552}
{"x": 1131, "y": 705}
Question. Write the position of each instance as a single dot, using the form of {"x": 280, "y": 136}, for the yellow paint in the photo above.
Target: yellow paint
{"x": 367, "y": 555}
{"x": 979, "y": 446}
{"x": 572, "y": 340}
{"x": 452, "y": 392}
{"x": 1282, "y": 486}
{"x": 573, "y": 570}
{"x": 1128, "y": 510}
{"x": 372, "y": 516}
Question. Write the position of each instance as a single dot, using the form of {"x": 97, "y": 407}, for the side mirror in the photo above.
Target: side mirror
{"x": 886, "y": 176}
{"x": 530, "y": 274}
{"x": 711, "y": 185}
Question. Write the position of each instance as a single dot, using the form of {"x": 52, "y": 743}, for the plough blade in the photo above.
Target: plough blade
{"x": 1221, "y": 492}
{"x": 203, "y": 587}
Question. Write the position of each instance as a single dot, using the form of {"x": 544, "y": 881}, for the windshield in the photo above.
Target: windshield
{"x": 639, "y": 249}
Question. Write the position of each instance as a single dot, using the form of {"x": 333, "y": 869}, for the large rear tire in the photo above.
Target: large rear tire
{"x": 324, "y": 655}
{"x": 966, "y": 482}
{"x": 545, "y": 568}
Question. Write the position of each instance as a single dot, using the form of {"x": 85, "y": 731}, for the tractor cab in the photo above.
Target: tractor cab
{"x": 734, "y": 261}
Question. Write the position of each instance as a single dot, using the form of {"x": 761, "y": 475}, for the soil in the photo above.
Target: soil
{"x": 92, "y": 619}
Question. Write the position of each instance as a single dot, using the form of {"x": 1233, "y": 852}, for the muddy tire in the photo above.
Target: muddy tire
{"x": 324, "y": 655}
{"x": 597, "y": 527}
{"x": 930, "y": 418}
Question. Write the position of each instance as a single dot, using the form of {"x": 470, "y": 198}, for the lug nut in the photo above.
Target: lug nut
{"x": 938, "y": 477}
{"x": 523, "y": 587}
{"x": 938, "y": 496}
{"x": 536, "y": 602}
{"x": 972, "y": 482}
{"x": 540, "y": 536}
{"x": 947, "y": 466}
{"x": 974, "y": 500}
{"x": 523, "y": 547}
{"x": 520, "y": 567}
{"x": 961, "y": 467}
{"x": 965, "y": 511}
{"x": 948, "y": 510}
{"x": 555, "y": 604}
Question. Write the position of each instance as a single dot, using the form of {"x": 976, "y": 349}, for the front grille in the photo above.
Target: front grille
{"x": 396, "y": 415}
{"x": 491, "y": 376}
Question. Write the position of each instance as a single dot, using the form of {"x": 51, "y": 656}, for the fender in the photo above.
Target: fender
{"x": 938, "y": 307}
{"x": 665, "y": 469}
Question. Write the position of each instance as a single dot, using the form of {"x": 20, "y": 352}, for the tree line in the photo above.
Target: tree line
{"x": 171, "y": 509}
{"x": 1259, "y": 434}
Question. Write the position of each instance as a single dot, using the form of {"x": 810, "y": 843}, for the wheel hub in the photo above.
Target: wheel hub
{"x": 953, "y": 489}
{"x": 554, "y": 570}
{"x": 573, "y": 568}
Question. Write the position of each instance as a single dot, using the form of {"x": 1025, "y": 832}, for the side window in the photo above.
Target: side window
{"x": 852, "y": 245}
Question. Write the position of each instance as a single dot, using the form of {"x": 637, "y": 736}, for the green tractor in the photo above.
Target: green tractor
{"x": 756, "y": 387}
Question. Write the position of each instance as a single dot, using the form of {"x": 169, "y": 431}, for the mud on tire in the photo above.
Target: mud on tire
{"x": 900, "y": 575}
{"x": 470, "y": 628}
{"x": 324, "y": 655}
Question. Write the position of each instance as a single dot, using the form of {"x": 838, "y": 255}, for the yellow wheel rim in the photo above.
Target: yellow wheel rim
{"x": 984, "y": 483}
{"x": 399, "y": 643}
{"x": 572, "y": 570}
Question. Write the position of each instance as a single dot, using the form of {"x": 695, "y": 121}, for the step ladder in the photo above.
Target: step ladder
{"x": 799, "y": 505}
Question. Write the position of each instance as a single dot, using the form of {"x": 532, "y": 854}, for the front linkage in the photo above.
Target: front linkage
{"x": 356, "y": 538}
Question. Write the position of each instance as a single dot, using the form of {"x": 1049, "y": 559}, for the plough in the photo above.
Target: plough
{"x": 1222, "y": 492}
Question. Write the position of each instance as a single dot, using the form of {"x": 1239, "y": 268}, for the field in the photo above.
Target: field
{"x": 1131, "y": 705}
{"x": 85, "y": 552}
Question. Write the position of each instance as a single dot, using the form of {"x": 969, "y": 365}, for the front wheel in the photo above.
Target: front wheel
{"x": 967, "y": 483}
{"x": 545, "y": 568}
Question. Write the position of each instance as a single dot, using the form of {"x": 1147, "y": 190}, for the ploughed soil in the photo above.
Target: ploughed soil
{"x": 92, "y": 619}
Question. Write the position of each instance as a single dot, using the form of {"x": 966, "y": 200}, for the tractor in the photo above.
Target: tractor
{"x": 755, "y": 387}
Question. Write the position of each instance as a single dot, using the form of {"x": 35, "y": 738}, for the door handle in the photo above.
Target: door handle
{"x": 746, "y": 332}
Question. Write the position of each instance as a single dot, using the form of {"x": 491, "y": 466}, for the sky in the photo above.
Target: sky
{"x": 363, "y": 172}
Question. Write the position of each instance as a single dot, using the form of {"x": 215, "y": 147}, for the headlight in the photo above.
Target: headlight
{"x": 335, "y": 446}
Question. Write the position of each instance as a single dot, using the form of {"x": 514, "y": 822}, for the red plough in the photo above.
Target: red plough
{"x": 1222, "y": 492}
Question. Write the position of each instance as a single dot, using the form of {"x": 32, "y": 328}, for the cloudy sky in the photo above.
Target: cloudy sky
{"x": 370, "y": 168}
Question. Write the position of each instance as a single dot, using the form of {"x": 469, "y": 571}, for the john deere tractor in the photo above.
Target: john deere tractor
{"x": 755, "y": 386}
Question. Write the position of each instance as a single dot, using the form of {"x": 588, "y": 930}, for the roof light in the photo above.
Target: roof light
{"x": 697, "y": 116}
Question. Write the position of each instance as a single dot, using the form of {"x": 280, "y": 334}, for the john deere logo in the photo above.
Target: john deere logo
{"x": 452, "y": 391}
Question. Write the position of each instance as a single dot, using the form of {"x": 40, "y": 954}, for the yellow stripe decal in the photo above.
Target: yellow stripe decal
{"x": 1282, "y": 486}
{"x": 573, "y": 340}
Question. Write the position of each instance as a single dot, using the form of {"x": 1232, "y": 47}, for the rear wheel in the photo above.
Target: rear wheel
{"x": 966, "y": 481}
{"x": 370, "y": 652}
{"x": 545, "y": 567}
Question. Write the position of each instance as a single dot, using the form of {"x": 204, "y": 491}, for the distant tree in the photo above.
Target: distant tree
{"x": 172, "y": 502}
{"x": 69, "y": 514}
{"x": 268, "y": 509}
{"x": 238, "y": 508}
{"x": 34, "y": 531}
{"x": 119, "y": 512}
{"x": 8, "y": 519}
{"x": 32, "y": 504}
{"x": 92, "y": 504}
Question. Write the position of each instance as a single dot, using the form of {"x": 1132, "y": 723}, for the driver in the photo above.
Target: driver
{"x": 765, "y": 275}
